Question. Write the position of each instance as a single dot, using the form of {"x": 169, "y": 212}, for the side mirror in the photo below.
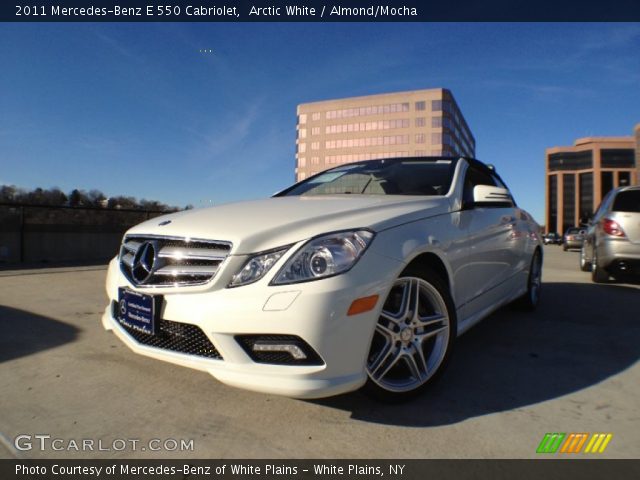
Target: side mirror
{"x": 491, "y": 196}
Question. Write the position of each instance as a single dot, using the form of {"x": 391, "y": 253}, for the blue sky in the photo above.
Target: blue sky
{"x": 137, "y": 109}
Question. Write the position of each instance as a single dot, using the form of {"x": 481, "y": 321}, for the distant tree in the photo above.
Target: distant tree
{"x": 75, "y": 198}
{"x": 54, "y": 196}
{"x": 96, "y": 198}
{"x": 123, "y": 202}
{"x": 9, "y": 193}
{"x": 188, "y": 207}
{"x": 153, "y": 205}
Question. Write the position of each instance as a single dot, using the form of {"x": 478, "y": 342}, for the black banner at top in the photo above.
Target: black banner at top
{"x": 319, "y": 11}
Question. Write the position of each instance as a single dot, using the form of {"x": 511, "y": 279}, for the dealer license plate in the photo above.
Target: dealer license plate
{"x": 137, "y": 310}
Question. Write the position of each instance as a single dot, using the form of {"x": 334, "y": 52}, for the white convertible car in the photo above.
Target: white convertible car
{"x": 362, "y": 275}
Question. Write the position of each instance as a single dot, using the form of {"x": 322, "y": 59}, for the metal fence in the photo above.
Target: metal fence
{"x": 55, "y": 234}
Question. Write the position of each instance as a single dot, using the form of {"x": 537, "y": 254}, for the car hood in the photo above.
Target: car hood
{"x": 259, "y": 225}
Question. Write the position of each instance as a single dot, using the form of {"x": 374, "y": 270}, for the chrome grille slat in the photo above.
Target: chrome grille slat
{"x": 192, "y": 253}
{"x": 187, "y": 270}
{"x": 157, "y": 261}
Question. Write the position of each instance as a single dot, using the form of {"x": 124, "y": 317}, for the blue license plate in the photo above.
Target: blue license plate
{"x": 137, "y": 310}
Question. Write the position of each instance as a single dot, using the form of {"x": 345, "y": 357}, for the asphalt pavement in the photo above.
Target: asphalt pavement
{"x": 571, "y": 366}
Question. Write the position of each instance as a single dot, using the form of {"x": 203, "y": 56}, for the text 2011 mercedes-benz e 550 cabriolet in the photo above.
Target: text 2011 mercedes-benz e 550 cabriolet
{"x": 362, "y": 275}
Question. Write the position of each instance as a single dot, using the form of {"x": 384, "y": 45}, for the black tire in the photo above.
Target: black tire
{"x": 383, "y": 389}
{"x": 598, "y": 274}
{"x": 530, "y": 300}
{"x": 585, "y": 265}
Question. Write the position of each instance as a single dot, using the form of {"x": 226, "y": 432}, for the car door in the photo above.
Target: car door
{"x": 492, "y": 245}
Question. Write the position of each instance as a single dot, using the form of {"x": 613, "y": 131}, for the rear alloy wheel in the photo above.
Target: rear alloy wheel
{"x": 598, "y": 274}
{"x": 413, "y": 337}
{"x": 585, "y": 265}
{"x": 530, "y": 300}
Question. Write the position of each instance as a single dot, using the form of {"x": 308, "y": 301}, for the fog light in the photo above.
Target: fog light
{"x": 293, "y": 350}
{"x": 362, "y": 305}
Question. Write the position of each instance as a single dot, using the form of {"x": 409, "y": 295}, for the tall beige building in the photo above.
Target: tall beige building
{"x": 402, "y": 124}
{"x": 579, "y": 176}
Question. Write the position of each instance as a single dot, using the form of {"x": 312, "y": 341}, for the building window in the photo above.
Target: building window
{"x": 302, "y": 162}
{"x": 568, "y": 201}
{"x": 315, "y": 145}
{"x": 420, "y": 138}
{"x": 315, "y": 116}
{"x": 315, "y": 131}
{"x": 436, "y": 105}
{"x": 624, "y": 179}
{"x": 552, "y": 203}
{"x": 370, "y": 110}
{"x": 420, "y": 122}
{"x": 315, "y": 160}
{"x": 420, "y": 153}
{"x": 436, "y": 139}
{"x": 367, "y": 126}
{"x": 302, "y": 147}
{"x": 586, "y": 197}
{"x": 421, "y": 106}
{"x": 302, "y": 118}
{"x": 302, "y": 133}
{"x": 367, "y": 141}
{"x": 617, "y": 158}
{"x": 606, "y": 183}
{"x": 570, "y": 161}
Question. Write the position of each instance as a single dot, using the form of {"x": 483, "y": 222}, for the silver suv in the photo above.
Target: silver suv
{"x": 611, "y": 245}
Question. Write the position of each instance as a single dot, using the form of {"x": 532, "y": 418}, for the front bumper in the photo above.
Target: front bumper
{"x": 314, "y": 311}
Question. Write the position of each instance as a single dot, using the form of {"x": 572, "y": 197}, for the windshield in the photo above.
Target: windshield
{"x": 424, "y": 176}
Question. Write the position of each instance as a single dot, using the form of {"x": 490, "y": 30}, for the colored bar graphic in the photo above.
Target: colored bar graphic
{"x": 598, "y": 443}
{"x": 550, "y": 442}
{"x": 573, "y": 442}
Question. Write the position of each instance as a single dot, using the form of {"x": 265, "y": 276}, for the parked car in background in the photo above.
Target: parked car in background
{"x": 361, "y": 275}
{"x": 552, "y": 238}
{"x": 612, "y": 243}
{"x": 573, "y": 238}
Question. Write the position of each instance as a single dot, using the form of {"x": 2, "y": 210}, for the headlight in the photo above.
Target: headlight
{"x": 324, "y": 256}
{"x": 256, "y": 267}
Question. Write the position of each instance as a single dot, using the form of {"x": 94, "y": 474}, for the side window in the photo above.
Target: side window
{"x": 474, "y": 177}
{"x": 602, "y": 208}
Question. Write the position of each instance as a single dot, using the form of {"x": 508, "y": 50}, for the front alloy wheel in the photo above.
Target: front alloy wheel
{"x": 412, "y": 339}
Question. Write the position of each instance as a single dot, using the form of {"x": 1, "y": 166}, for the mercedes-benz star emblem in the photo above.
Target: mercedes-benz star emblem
{"x": 143, "y": 262}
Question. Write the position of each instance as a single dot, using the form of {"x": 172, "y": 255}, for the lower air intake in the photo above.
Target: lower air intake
{"x": 176, "y": 337}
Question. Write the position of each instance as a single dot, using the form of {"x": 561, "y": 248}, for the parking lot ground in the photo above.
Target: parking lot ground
{"x": 572, "y": 366}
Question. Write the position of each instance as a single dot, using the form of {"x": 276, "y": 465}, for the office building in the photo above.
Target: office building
{"x": 579, "y": 176}
{"x": 403, "y": 124}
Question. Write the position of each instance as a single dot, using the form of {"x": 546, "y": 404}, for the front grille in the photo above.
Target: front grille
{"x": 177, "y": 337}
{"x": 278, "y": 358}
{"x": 149, "y": 261}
